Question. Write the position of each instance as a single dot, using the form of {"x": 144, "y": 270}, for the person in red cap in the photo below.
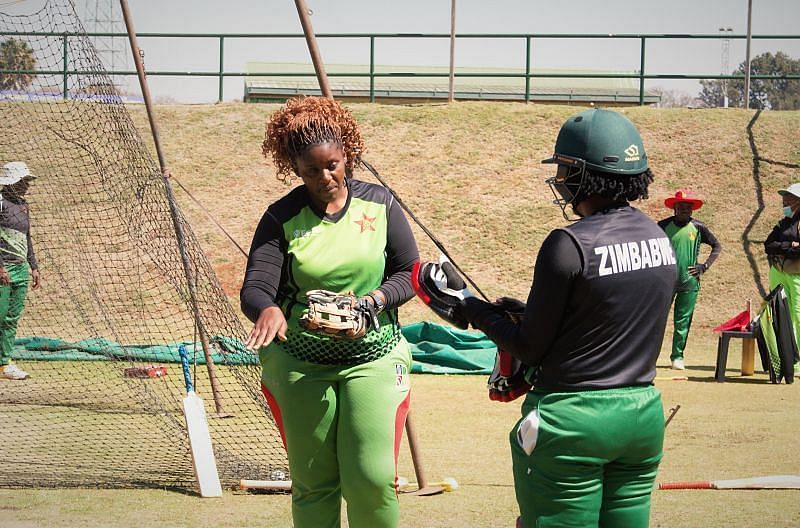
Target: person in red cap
{"x": 783, "y": 252}
{"x": 686, "y": 234}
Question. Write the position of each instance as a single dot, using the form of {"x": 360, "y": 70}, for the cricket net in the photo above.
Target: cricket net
{"x": 116, "y": 296}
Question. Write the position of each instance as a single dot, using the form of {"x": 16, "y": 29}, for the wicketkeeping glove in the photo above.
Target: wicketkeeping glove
{"x": 507, "y": 381}
{"x": 340, "y": 315}
{"x": 439, "y": 285}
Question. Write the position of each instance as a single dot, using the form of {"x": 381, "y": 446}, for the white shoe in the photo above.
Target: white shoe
{"x": 677, "y": 364}
{"x": 14, "y": 372}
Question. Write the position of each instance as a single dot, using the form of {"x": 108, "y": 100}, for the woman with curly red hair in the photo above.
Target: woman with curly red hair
{"x": 340, "y": 404}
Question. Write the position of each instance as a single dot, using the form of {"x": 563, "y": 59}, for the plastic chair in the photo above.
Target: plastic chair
{"x": 748, "y": 352}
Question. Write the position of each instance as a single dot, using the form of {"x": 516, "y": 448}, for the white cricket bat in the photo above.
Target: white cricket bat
{"x": 205, "y": 465}
{"x": 770, "y": 482}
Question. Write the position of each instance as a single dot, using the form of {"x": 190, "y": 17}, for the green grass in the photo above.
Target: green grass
{"x": 471, "y": 172}
{"x": 745, "y": 427}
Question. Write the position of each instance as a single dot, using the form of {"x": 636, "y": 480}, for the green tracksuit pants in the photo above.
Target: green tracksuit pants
{"x": 591, "y": 458}
{"x": 683, "y": 310}
{"x": 341, "y": 427}
{"x": 791, "y": 285}
{"x": 12, "y": 302}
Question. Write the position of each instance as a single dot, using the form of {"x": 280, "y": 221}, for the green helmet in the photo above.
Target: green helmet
{"x": 606, "y": 141}
{"x": 601, "y": 141}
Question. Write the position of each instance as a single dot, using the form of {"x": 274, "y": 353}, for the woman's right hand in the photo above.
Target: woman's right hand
{"x": 270, "y": 323}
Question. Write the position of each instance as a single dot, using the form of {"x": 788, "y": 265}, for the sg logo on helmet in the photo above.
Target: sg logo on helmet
{"x": 632, "y": 153}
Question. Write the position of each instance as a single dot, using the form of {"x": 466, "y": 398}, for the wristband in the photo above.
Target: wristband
{"x": 378, "y": 300}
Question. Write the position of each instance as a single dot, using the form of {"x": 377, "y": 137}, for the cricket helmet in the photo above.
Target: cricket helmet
{"x": 602, "y": 141}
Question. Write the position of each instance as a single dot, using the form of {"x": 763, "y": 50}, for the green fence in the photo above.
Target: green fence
{"x": 526, "y": 41}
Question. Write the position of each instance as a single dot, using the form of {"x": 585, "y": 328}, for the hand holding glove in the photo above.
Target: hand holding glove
{"x": 507, "y": 381}
{"x": 340, "y": 315}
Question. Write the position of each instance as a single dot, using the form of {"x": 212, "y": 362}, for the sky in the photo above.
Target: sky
{"x": 769, "y": 17}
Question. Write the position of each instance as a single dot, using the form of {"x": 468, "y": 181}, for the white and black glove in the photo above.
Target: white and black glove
{"x": 440, "y": 286}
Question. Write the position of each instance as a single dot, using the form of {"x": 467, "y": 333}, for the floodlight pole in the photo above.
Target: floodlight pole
{"x": 319, "y": 68}
{"x": 173, "y": 209}
{"x": 747, "y": 56}
{"x": 450, "y": 92}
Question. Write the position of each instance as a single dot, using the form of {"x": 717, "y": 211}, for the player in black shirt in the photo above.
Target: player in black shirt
{"x": 588, "y": 445}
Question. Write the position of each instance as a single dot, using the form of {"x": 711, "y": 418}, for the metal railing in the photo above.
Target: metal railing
{"x": 528, "y": 39}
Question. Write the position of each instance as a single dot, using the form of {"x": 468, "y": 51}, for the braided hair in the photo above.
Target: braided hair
{"x": 615, "y": 187}
{"x": 305, "y": 122}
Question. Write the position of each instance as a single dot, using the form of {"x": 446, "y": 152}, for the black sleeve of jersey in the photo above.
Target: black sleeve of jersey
{"x": 779, "y": 241}
{"x": 401, "y": 254}
{"x": 707, "y": 237}
{"x": 264, "y": 266}
{"x": 665, "y": 222}
{"x": 557, "y": 265}
{"x": 771, "y": 244}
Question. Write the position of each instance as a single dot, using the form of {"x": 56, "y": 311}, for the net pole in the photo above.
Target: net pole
{"x": 313, "y": 49}
{"x": 173, "y": 209}
{"x": 319, "y": 68}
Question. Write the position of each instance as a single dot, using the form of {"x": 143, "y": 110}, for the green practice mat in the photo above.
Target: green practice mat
{"x": 436, "y": 349}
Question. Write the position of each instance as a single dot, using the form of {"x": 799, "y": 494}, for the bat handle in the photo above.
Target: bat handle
{"x": 698, "y": 484}
{"x": 187, "y": 378}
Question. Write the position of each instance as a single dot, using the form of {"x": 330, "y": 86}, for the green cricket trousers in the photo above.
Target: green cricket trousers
{"x": 587, "y": 459}
{"x": 341, "y": 427}
{"x": 12, "y": 302}
{"x": 683, "y": 310}
{"x": 791, "y": 285}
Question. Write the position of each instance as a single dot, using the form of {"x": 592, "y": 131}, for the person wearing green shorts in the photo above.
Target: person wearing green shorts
{"x": 587, "y": 447}
{"x": 16, "y": 257}
{"x": 686, "y": 234}
{"x": 782, "y": 247}
{"x": 340, "y": 404}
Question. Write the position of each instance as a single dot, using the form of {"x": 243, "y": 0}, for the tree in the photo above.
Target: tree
{"x": 16, "y": 54}
{"x": 673, "y": 98}
{"x": 774, "y": 94}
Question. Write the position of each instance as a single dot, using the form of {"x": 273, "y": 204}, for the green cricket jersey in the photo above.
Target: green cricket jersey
{"x": 686, "y": 242}
{"x": 366, "y": 245}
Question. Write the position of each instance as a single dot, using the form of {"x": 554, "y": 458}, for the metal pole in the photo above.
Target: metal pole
{"x": 528, "y": 69}
{"x": 450, "y": 91}
{"x": 311, "y": 40}
{"x": 725, "y": 63}
{"x": 66, "y": 67}
{"x": 372, "y": 68}
{"x": 641, "y": 74}
{"x": 173, "y": 209}
{"x": 221, "y": 66}
{"x": 747, "y": 56}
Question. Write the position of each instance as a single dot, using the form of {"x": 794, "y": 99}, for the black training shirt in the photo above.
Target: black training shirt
{"x": 597, "y": 309}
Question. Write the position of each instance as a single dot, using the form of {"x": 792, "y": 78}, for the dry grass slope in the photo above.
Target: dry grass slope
{"x": 471, "y": 172}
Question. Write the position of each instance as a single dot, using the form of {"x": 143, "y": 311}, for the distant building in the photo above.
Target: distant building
{"x": 275, "y": 82}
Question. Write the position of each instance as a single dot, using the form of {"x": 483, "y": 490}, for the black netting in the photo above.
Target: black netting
{"x": 115, "y": 293}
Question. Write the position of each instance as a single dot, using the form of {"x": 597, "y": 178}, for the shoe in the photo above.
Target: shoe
{"x": 677, "y": 364}
{"x": 13, "y": 372}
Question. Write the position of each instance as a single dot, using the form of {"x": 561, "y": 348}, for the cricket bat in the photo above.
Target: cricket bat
{"x": 205, "y": 465}
{"x": 268, "y": 485}
{"x": 770, "y": 482}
